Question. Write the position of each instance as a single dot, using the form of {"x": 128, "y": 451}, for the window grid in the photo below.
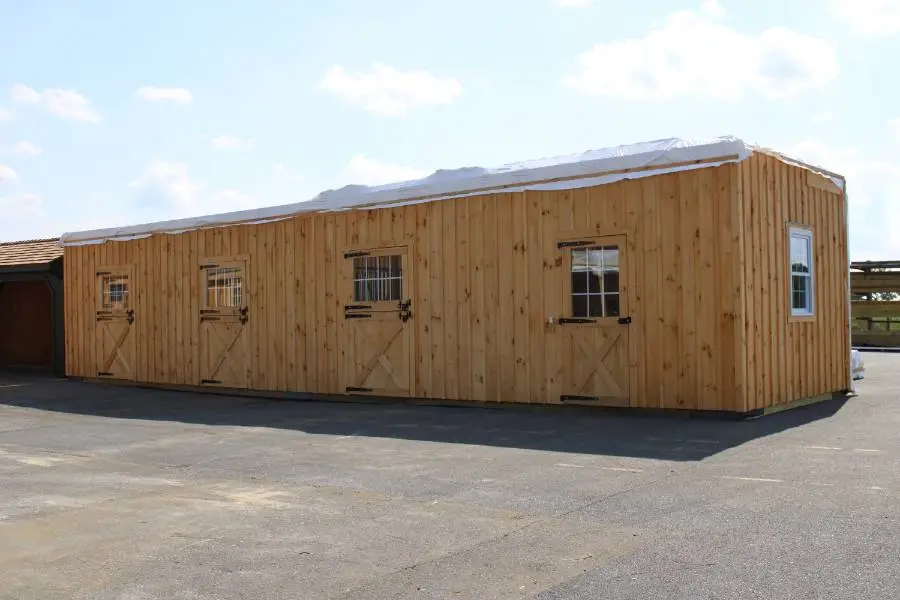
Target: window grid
{"x": 801, "y": 272}
{"x": 224, "y": 287}
{"x": 377, "y": 278}
{"x": 595, "y": 282}
{"x": 114, "y": 292}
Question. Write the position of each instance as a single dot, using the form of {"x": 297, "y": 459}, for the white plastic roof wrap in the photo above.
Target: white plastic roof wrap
{"x": 591, "y": 168}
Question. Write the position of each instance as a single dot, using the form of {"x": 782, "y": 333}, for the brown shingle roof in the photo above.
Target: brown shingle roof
{"x": 30, "y": 252}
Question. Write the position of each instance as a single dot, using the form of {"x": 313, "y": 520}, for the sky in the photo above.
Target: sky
{"x": 117, "y": 113}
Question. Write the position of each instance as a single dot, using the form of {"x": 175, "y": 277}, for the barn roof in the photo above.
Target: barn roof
{"x": 590, "y": 168}
{"x": 29, "y": 252}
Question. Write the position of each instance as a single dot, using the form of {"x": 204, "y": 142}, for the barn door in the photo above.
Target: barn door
{"x": 115, "y": 324}
{"x": 224, "y": 316}
{"x": 594, "y": 328}
{"x": 378, "y": 332}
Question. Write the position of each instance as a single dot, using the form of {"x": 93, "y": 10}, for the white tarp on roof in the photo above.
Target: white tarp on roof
{"x": 594, "y": 167}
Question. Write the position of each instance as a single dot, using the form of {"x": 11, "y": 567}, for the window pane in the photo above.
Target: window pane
{"x": 377, "y": 278}
{"x": 594, "y": 282}
{"x": 610, "y": 257}
{"x": 611, "y": 282}
{"x": 800, "y": 259}
{"x": 595, "y": 305}
{"x": 612, "y": 305}
{"x": 579, "y": 282}
{"x": 800, "y": 292}
{"x": 579, "y": 306}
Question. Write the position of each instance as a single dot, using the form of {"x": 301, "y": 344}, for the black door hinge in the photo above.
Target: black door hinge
{"x": 103, "y": 374}
{"x": 358, "y": 315}
{"x": 573, "y": 244}
{"x": 570, "y": 397}
{"x": 357, "y": 389}
{"x": 357, "y": 307}
{"x": 624, "y": 320}
{"x": 564, "y": 321}
{"x": 210, "y": 381}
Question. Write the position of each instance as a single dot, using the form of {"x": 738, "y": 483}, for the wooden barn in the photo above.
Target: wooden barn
{"x": 673, "y": 274}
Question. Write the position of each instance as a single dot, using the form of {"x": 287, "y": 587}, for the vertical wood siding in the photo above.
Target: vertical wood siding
{"x": 790, "y": 359}
{"x": 487, "y": 274}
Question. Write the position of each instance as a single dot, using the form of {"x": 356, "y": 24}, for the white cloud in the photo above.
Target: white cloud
{"x": 692, "y": 55}
{"x": 229, "y": 142}
{"x": 5, "y": 115}
{"x": 68, "y": 104}
{"x": 872, "y": 186}
{"x": 22, "y": 149}
{"x": 160, "y": 94}
{"x": 714, "y": 8}
{"x": 7, "y": 175}
{"x": 574, "y": 3}
{"x": 867, "y": 17}
{"x": 894, "y": 125}
{"x": 167, "y": 190}
{"x": 366, "y": 171}
{"x": 20, "y": 205}
{"x": 389, "y": 92}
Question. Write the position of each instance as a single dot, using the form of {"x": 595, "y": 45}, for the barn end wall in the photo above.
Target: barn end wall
{"x": 486, "y": 274}
{"x": 793, "y": 358}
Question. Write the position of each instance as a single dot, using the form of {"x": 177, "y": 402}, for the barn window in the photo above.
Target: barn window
{"x": 595, "y": 282}
{"x": 801, "y": 272}
{"x": 113, "y": 292}
{"x": 377, "y": 278}
{"x": 224, "y": 287}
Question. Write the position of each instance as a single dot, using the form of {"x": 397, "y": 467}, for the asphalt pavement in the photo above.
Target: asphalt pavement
{"x": 123, "y": 493}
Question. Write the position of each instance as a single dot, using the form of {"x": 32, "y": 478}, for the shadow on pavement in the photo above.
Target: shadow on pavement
{"x": 577, "y": 431}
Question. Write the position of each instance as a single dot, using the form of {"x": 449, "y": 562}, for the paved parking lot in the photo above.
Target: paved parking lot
{"x": 111, "y": 493}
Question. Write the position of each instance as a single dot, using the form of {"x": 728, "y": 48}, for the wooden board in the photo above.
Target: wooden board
{"x": 225, "y": 328}
{"x": 376, "y": 347}
{"x": 114, "y": 316}
{"x": 791, "y": 358}
{"x": 704, "y": 294}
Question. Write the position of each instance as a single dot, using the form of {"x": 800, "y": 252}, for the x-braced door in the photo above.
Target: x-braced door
{"x": 378, "y": 339}
{"x": 594, "y": 328}
{"x": 115, "y": 324}
{"x": 224, "y": 316}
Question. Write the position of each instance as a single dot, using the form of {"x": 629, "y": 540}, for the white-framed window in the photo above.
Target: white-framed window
{"x": 801, "y": 271}
{"x": 595, "y": 281}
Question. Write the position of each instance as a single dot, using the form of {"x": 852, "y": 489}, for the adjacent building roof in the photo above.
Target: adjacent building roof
{"x": 591, "y": 168}
{"x": 29, "y": 252}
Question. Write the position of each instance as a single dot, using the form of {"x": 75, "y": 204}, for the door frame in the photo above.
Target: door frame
{"x": 127, "y": 313}
{"x": 241, "y": 313}
{"x": 346, "y": 301}
{"x": 578, "y": 239}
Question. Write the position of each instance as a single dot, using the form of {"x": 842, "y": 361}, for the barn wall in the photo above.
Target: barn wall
{"x": 788, "y": 358}
{"x": 487, "y": 275}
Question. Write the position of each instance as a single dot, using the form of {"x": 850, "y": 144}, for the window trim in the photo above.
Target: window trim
{"x": 348, "y": 277}
{"x": 111, "y": 274}
{"x": 806, "y": 234}
{"x": 231, "y": 262}
{"x": 565, "y": 246}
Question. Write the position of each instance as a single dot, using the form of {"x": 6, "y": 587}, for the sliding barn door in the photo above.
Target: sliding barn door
{"x": 224, "y": 324}
{"x": 115, "y": 331}
{"x": 594, "y": 328}
{"x": 378, "y": 334}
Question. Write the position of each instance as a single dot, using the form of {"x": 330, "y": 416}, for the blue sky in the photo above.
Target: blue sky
{"x": 116, "y": 113}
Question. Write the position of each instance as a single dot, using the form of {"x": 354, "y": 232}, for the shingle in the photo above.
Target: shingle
{"x": 29, "y": 252}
